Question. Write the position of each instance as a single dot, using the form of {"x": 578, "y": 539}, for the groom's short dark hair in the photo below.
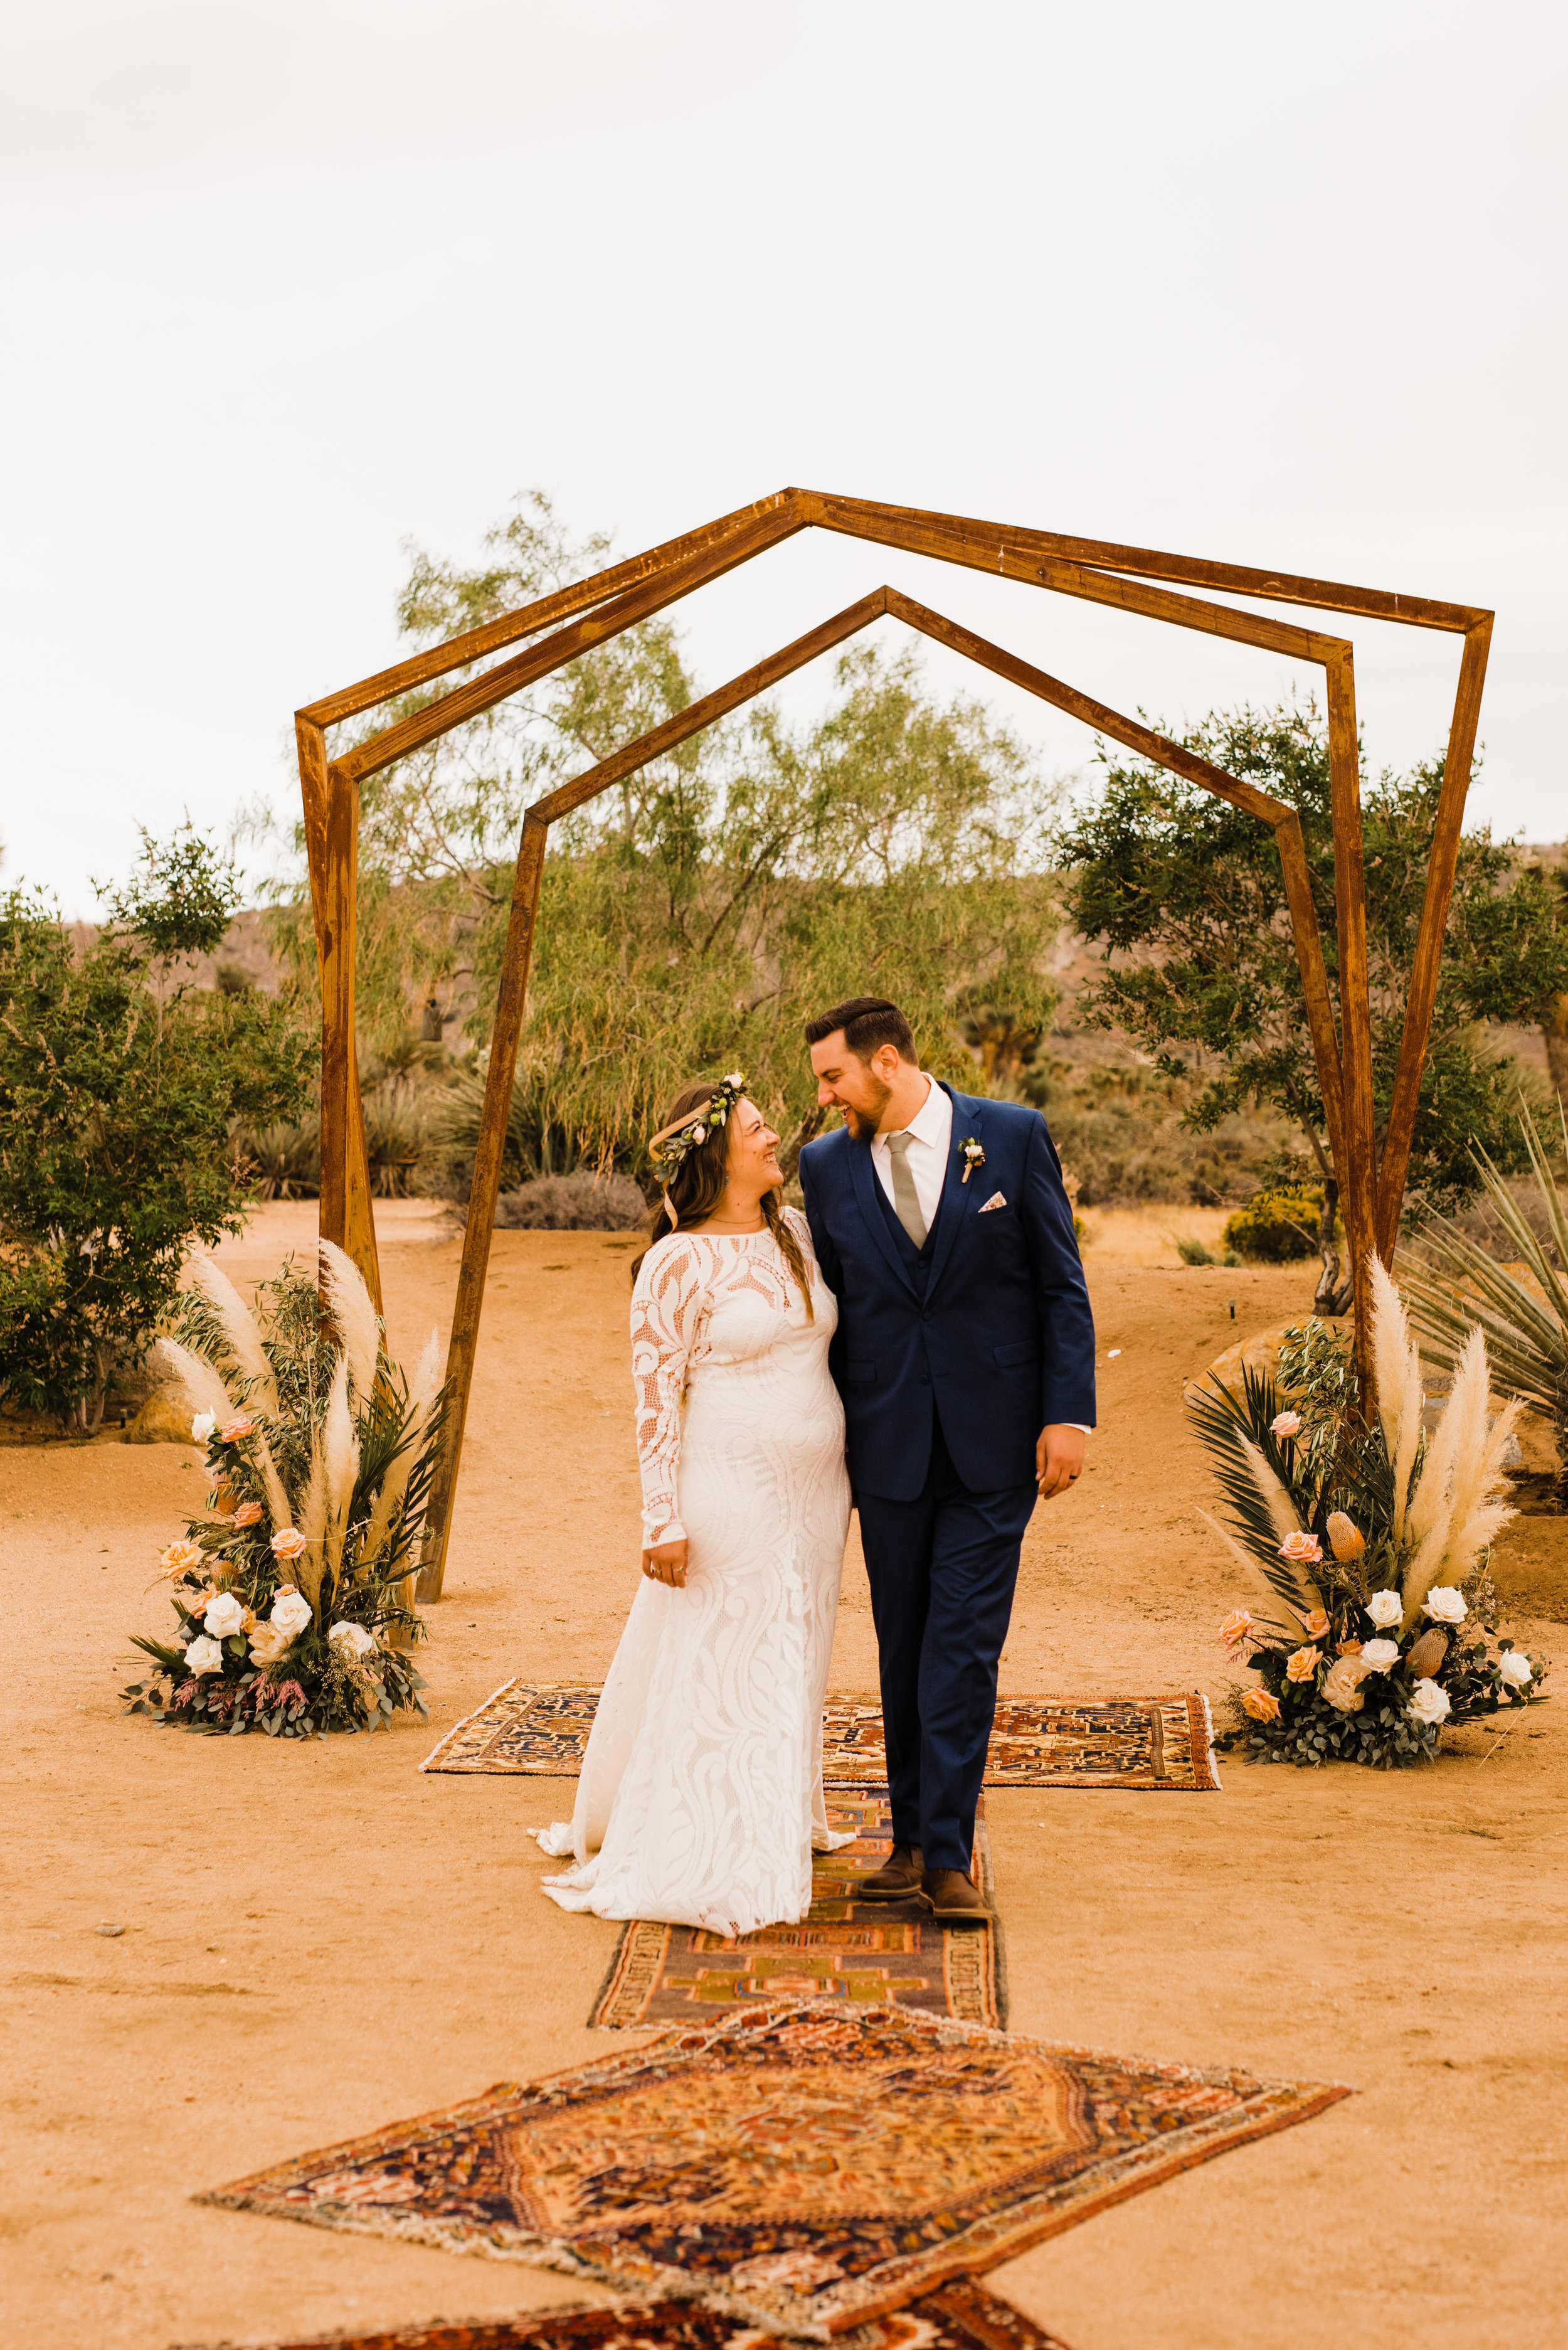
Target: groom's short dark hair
{"x": 868, "y": 1023}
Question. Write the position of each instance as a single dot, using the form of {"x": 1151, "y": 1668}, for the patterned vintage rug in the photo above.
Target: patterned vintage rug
{"x": 812, "y": 2167}
{"x": 962, "y": 2315}
{"x": 1151, "y": 1742}
{"x": 864, "y": 1952}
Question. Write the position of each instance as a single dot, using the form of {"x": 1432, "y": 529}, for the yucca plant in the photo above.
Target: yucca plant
{"x": 1454, "y": 1286}
{"x": 295, "y": 1586}
{"x": 1368, "y": 1544}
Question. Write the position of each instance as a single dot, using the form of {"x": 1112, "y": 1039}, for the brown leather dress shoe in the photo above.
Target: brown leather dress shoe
{"x": 898, "y": 1879}
{"x": 949, "y": 1894}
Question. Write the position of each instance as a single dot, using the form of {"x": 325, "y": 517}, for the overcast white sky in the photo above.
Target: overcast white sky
{"x": 288, "y": 285}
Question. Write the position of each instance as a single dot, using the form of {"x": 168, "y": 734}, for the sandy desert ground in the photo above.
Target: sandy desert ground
{"x": 318, "y": 1940}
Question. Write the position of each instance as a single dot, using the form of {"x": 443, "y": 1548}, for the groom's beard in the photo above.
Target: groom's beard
{"x": 863, "y": 1123}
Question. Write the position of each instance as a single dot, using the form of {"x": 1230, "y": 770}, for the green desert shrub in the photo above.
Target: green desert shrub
{"x": 119, "y": 1086}
{"x": 1276, "y": 1227}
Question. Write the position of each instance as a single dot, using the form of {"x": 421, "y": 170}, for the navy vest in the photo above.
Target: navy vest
{"x": 918, "y": 1261}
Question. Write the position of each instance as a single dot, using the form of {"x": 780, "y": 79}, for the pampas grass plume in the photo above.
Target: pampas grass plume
{"x": 202, "y": 1388}
{"x": 239, "y": 1327}
{"x": 1390, "y": 1351}
{"x": 339, "y": 1448}
{"x": 354, "y": 1311}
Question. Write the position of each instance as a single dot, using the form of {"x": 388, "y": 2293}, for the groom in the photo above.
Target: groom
{"x": 965, "y": 1356}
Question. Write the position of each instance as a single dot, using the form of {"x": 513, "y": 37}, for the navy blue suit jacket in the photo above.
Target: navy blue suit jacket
{"x": 1003, "y": 1338}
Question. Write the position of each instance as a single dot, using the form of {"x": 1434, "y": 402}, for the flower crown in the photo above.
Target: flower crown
{"x": 672, "y": 1144}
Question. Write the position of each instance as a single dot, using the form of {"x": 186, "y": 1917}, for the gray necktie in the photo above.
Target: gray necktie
{"x": 906, "y": 1198}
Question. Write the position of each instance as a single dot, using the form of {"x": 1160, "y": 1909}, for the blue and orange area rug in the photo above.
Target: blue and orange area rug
{"x": 1153, "y": 1744}
{"x": 962, "y": 2315}
{"x": 809, "y": 2168}
{"x": 856, "y": 1952}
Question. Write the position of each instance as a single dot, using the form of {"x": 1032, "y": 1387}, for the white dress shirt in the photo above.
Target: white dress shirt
{"x": 931, "y": 1133}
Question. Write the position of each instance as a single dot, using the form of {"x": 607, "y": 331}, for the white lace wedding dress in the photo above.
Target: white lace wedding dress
{"x": 701, "y": 1796}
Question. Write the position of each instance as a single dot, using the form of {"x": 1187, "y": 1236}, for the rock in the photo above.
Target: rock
{"x": 1260, "y": 1353}
{"x": 110, "y": 1933}
{"x": 165, "y": 1419}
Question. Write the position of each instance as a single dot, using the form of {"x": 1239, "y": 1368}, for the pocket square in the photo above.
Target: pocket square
{"x": 997, "y": 1200}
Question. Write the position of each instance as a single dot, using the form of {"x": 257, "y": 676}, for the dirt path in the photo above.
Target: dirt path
{"x": 318, "y": 1939}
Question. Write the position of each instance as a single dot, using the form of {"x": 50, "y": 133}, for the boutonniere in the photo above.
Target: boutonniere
{"x": 973, "y": 1157}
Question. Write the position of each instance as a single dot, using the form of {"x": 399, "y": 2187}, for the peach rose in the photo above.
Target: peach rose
{"x": 249, "y": 1514}
{"x": 1342, "y": 1684}
{"x": 1304, "y": 1664}
{"x": 1237, "y": 1628}
{"x": 1285, "y": 1423}
{"x": 234, "y": 1432}
{"x": 288, "y": 1543}
{"x": 1347, "y": 1648}
{"x": 1316, "y": 1625}
{"x": 1302, "y": 1549}
{"x": 1261, "y": 1704}
{"x": 1344, "y": 1538}
{"x": 183, "y": 1558}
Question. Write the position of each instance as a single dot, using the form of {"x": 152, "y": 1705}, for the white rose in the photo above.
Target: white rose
{"x": 350, "y": 1639}
{"x": 291, "y": 1613}
{"x": 735, "y": 1079}
{"x": 1514, "y": 1669}
{"x": 223, "y": 1616}
{"x": 1444, "y": 1605}
{"x": 1428, "y": 1703}
{"x": 1385, "y": 1608}
{"x": 1381, "y": 1655}
{"x": 203, "y": 1655}
{"x": 201, "y": 1427}
{"x": 268, "y": 1644}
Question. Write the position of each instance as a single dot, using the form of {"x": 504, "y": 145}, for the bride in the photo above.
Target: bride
{"x": 701, "y": 1796}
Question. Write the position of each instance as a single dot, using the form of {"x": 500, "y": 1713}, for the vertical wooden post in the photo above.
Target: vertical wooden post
{"x": 1358, "y": 1176}
{"x": 505, "y": 1038}
{"x": 332, "y": 841}
{"x": 1442, "y": 858}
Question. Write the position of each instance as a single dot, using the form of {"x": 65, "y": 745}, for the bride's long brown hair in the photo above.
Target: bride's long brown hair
{"x": 697, "y": 1185}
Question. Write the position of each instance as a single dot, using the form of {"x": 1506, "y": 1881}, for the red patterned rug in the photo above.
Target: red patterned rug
{"x": 864, "y": 1952}
{"x": 810, "y": 2167}
{"x": 962, "y": 2315}
{"x": 1157, "y": 1744}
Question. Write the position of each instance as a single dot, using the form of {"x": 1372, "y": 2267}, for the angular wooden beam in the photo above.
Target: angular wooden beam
{"x": 527, "y": 620}
{"x": 1286, "y": 824}
{"x": 1012, "y": 553}
{"x": 332, "y": 847}
{"x": 1422, "y": 994}
{"x": 511, "y": 997}
{"x": 492, "y": 685}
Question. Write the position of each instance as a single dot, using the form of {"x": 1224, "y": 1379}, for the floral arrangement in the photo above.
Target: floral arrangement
{"x": 294, "y": 1588}
{"x": 1368, "y": 1542}
{"x": 670, "y": 1148}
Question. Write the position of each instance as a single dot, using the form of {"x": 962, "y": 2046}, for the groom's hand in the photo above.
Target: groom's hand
{"x": 1058, "y": 1459}
{"x": 666, "y": 1563}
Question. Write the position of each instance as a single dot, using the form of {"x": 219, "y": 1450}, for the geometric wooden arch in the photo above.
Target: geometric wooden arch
{"x": 590, "y": 612}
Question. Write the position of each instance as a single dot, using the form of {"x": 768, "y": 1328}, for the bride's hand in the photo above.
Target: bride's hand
{"x": 666, "y": 1563}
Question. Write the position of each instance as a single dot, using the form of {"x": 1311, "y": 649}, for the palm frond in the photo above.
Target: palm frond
{"x": 1290, "y": 1628}
{"x": 1237, "y": 1435}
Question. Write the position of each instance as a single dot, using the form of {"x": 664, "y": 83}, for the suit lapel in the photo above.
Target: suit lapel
{"x": 865, "y": 1178}
{"x": 957, "y": 1201}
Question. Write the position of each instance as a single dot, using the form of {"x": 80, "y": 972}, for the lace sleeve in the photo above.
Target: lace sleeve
{"x": 667, "y": 1307}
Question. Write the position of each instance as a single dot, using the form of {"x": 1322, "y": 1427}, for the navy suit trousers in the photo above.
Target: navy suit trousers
{"x": 943, "y": 1569}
